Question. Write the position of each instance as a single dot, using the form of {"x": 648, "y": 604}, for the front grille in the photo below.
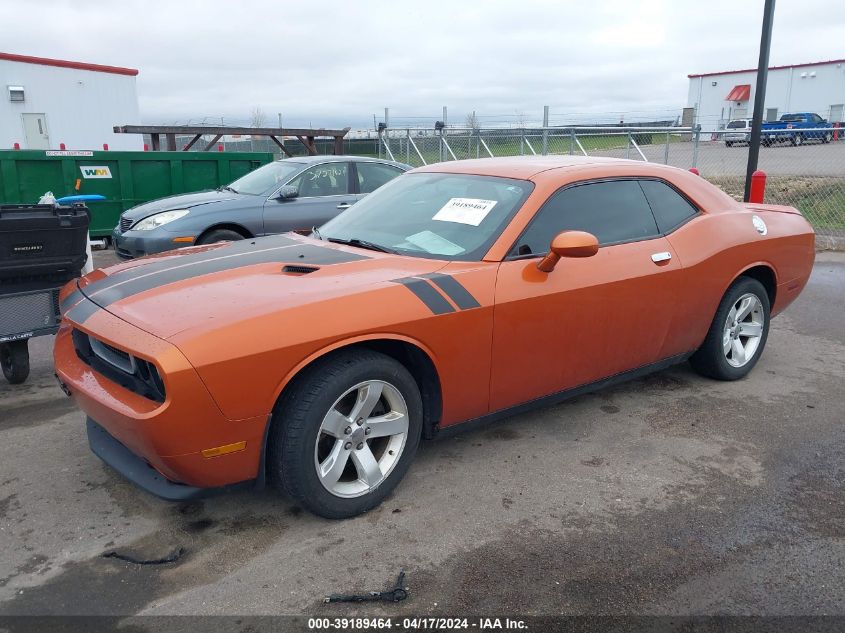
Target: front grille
{"x": 125, "y": 224}
{"x": 135, "y": 374}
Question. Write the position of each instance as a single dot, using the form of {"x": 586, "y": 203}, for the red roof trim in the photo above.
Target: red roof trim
{"x": 753, "y": 70}
{"x": 62, "y": 63}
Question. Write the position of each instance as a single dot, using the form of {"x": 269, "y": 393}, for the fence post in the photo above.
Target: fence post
{"x": 408, "y": 147}
{"x": 571, "y": 141}
{"x": 695, "y": 138}
{"x": 628, "y": 148}
{"x": 666, "y": 153}
{"x": 522, "y": 142}
{"x": 545, "y": 130}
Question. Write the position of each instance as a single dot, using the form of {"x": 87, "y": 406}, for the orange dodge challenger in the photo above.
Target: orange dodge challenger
{"x": 457, "y": 292}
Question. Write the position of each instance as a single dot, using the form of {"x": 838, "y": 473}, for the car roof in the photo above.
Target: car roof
{"x": 521, "y": 167}
{"x": 308, "y": 160}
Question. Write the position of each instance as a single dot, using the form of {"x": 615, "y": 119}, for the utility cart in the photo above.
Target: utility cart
{"x": 42, "y": 247}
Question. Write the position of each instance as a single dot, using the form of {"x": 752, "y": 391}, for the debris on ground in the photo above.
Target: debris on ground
{"x": 170, "y": 558}
{"x": 398, "y": 593}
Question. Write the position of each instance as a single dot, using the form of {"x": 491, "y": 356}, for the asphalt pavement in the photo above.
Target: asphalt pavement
{"x": 672, "y": 494}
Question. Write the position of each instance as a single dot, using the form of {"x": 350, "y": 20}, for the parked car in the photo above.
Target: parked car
{"x": 738, "y": 131}
{"x": 797, "y": 128}
{"x": 287, "y": 195}
{"x": 462, "y": 291}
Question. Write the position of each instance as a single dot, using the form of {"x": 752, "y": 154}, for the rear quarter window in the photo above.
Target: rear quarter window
{"x": 670, "y": 208}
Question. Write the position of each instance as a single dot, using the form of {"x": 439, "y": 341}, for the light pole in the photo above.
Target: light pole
{"x": 759, "y": 94}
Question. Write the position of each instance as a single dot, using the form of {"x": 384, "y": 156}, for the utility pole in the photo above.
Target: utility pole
{"x": 759, "y": 94}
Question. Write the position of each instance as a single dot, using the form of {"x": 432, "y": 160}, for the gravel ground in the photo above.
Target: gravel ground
{"x": 670, "y": 495}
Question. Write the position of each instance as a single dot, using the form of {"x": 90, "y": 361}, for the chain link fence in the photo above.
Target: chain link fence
{"x": 809, "y": 175}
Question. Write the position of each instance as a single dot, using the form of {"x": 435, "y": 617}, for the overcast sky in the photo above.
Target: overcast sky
{"x": 336, "y": 63}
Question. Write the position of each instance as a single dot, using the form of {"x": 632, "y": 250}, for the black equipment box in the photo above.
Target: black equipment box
{"x": 41, "y": 244}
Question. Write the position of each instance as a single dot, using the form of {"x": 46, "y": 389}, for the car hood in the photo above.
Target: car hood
{"x": 182, "y": 201}
{"x": 210, "y": 287}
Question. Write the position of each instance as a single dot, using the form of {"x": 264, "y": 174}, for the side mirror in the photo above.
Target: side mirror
{"x": 288, "y": 193}
{"x": 569, "y": 244}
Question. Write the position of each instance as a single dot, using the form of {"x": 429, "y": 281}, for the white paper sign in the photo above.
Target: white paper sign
{"x": 433, "y": 243}
{"x": 465, "y": 210}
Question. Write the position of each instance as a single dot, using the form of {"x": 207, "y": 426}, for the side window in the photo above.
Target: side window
{"x": 670, "y": 208}
{"x": 371, "y": 176}
{"x": 328, "y": 179}
{"x": 613, "y": 211}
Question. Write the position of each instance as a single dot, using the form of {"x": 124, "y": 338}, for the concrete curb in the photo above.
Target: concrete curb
{"x": 830, "y": 242}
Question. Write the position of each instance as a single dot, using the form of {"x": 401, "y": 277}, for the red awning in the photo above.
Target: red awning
{"x": 739, "y": 93}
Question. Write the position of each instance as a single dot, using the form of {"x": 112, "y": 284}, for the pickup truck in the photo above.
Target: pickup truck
{"x": 797, "y": 128}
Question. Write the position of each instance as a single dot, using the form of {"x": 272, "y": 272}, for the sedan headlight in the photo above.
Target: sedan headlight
{"x": 159, "y": 219}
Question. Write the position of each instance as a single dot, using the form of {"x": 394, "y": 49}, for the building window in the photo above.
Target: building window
{"x": 16, "y": 94}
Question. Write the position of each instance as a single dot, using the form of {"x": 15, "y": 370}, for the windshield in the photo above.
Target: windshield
{"x": 264, "y": 180}
{"x": 447, "y": 216}
{"x": 737, "y": 124}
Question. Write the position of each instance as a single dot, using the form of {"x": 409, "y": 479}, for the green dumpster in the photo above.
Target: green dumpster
{"x": 124, "y": 178}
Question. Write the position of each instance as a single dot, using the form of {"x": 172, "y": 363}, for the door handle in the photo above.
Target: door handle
{"x": 344, "y": 205}
{"x": 658, "y": 258}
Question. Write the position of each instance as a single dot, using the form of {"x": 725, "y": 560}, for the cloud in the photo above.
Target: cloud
{"x": 336, "y": 63}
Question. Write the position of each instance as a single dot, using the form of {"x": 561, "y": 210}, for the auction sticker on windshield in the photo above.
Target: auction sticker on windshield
{"x": 465, "y": 210}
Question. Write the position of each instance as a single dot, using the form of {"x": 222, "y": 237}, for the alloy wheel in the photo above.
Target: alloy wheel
{"x": 743, "y": 330}
{"x": 361, "y": 438}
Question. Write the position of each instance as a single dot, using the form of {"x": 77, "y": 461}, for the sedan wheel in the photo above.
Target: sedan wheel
{"x": 361, "y": 439}
{"x": 737, "y": 334}
{"x": 742, "y": 331}
{"x": 345, "y": 432}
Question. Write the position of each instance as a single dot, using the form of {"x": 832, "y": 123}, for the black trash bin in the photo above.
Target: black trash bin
{"x": 42, "y": 247}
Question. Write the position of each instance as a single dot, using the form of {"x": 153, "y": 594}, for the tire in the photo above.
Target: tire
{"x": 729, "y": 144}
{"x": 797, "y": 140}
{"x": 827, "y": 138}
{"x": 766, "y": 143}
{"x": 220, "y": 235}
{"x": 14, "y": 358}
{"x": 712, "y": 359}
{"x": 315, "y": 419}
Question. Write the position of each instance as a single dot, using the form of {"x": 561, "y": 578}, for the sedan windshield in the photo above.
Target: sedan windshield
{"x": 447, "y": 216}
{"x": 265, "y": 180}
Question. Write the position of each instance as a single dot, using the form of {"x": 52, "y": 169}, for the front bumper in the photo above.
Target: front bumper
{"x": 737, "y": 138}
{"x": 135, "y": 469}
{"x": 133, "y": 244}
{"x": 168, "y": 436}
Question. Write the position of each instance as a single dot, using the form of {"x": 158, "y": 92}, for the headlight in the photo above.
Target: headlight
{"x": 157, "y": 220}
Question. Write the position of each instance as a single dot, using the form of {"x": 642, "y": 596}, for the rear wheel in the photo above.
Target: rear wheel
{"x": 827, "y": 138}
{"x": 14, "y": 358}
{"x": 729, "y": 144}
{"x": 738, "y": 333}
{"x": 797, "y": 140}
{"x": 345, "y": 433}
{"x": 220, "y": 235}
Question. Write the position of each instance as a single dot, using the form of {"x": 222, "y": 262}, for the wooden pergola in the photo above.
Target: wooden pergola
{"x": 305, "y": 136}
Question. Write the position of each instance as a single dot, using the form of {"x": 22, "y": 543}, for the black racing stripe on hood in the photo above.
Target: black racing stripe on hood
{"x": 296, "y": 253}
{"x": 82, "y": 311}
{"x": 71, "y": 299}
{"x": 234, "y": 248}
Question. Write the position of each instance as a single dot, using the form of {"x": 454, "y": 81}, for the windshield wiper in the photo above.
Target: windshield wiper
{"x": 354, "y": 241}
{"x": 316, "y": 232}
{"x": 227, "y": 188}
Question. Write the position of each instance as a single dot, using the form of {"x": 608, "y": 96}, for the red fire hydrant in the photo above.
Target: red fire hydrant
{"x": 758, "y": 187}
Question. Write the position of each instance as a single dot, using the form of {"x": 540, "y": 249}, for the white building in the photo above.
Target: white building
{"x": 47, "y": 102}
{"x": 816, "y": 87}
